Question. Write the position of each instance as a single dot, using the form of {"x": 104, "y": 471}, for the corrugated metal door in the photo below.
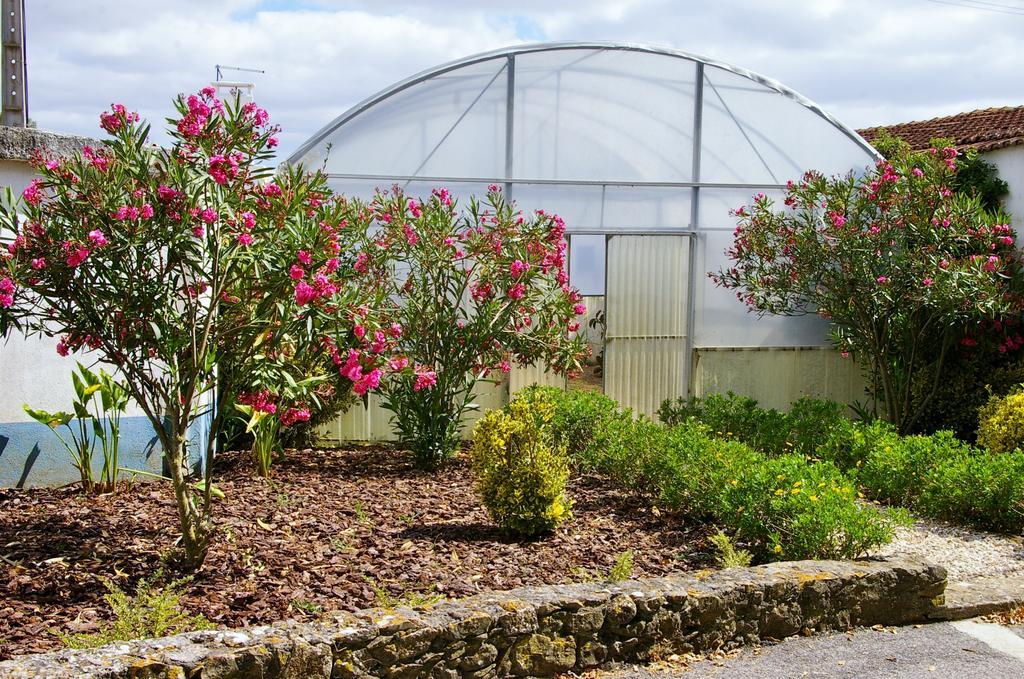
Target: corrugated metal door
{"x": 647, "y": 315}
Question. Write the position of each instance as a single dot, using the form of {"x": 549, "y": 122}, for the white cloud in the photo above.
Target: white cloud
{"x": 866, "y": 61}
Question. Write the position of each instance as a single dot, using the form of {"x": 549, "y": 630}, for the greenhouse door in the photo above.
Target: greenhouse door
{"x": 647, "y": 314}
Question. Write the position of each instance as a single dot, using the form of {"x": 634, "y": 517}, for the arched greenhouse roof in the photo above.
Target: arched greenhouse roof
{"x": 595, "y": 117}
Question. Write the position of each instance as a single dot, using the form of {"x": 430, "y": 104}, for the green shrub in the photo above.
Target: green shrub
{"x": 623, "y": 567}
{"x": 1001, "y": 423}
{"x": 897, "y": 468}
{"x": 732, "y": 417}
{"x": 520, "y": 471}
{"x": 152, "y": 612}
{"x": 808, "y": 424}
{"x": 941, "y": 476}
{"x": 689, "y": 470}
{"x": 986, "y": 489}
{"x": 813, "y": 422}
{"x": 790, "y": 509}
{"x": 577, "y": 416}
{"x": 849, "y": 444}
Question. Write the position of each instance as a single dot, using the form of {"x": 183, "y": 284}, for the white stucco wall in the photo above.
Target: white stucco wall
{"x": 1010, "y": 161}
{"x": 31, "y": 371}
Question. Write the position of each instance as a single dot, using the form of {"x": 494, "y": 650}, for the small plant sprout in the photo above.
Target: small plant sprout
{"x": 728, "y": 555}
{"x": 306, "y": 606}
{"x": 151, "y": 612}
{"x": 623, "y": 568}
{"x": 360, "y": 511}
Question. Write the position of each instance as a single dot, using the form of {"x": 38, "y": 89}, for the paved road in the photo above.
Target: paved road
{"x": 961, "y": 650}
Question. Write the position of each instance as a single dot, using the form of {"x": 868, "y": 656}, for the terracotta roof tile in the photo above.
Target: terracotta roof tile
{"x": 985, "y": 129}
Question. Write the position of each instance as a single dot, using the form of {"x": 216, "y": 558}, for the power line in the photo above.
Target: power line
{"x": 985, "y": 7}
{"x": 996, "y": 5}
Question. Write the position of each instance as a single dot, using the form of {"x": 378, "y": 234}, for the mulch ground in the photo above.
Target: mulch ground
{"x": 333, "y": 529}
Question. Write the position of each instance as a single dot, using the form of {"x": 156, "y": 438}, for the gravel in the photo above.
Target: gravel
{"x": 966, "y": 553}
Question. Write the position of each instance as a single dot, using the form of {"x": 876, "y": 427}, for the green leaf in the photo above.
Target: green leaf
{"x": 51, "y": 420}
{"x": 216, "y": 492}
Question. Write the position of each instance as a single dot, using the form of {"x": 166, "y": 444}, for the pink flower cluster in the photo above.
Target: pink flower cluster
{"x": 6, "y": 292}
{"x": 425, "y": 378}
{"x": 132, "y": 213}
{"x": 224, "y": 168}
{"x": 257, "y": 115}
{"x": 260, "y": 401}
{"x": 99, "y": 159}
{"x": 518, "y": 267}
{"x": 74, "y": 254}
{"x": 32, "y": 195}
{"x": 299, "y": 413}
{"x": 117, "y": 118}
{"x": 200, "y": 107}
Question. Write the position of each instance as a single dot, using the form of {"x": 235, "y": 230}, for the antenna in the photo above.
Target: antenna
{"x": 219, "y": 68}
{"x": 236, "y": 89}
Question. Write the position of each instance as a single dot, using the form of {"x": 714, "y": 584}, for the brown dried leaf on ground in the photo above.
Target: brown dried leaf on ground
{"x": 333, "y": 529}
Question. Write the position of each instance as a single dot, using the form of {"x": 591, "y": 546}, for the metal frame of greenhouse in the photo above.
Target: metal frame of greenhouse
{"x": 630, "y": 145}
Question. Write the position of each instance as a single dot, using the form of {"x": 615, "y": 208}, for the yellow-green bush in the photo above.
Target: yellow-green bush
{"x": 1001, "y": 423}
{"x": 520, "y": 471}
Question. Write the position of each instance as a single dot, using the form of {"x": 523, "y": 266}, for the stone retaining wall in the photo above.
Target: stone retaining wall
{"x": 534, "y": 631}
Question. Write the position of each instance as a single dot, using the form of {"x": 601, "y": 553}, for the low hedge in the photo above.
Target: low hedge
{"x": 936, "y": 475}
{"x": 783, "y": 507}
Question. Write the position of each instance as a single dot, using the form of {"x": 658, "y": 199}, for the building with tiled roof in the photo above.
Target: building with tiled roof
{"x": 996, "y": 133}
{"x": 985, "y": 130}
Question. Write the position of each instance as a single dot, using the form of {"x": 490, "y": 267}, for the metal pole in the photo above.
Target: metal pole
{"x": 15, "y": 91}
{"x": 696, "y": 241}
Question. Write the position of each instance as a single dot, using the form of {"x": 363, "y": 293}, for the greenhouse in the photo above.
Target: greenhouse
{"x": 643, "y": 151}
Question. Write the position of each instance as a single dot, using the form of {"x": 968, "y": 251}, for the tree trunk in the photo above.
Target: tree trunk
{"x": 195, "y": 525}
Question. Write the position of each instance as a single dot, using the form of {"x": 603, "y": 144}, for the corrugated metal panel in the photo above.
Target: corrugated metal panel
{"x": 645, "y": 344}
{"x": 372, "y": 423}
{"x": 778, "y": 376}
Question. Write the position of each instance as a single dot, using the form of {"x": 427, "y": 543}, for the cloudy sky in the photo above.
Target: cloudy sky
{"x": 867, "y": 61}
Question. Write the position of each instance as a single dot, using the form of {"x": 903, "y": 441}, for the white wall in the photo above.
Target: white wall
{"x": 32, "y": 373}
{"x": 1010, "y": 161}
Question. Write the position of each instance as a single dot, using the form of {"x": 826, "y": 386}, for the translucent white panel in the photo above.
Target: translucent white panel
{"x": 646, "y": 306}
{"x": 373, "y": 422}
{"x": 603, "y": 114}
{"x": 586, "y": 263}
{"x": 579, "y": 206}
{"x": 595, "y": 332}
{"x": 450, "y": 125}
{"x": 521, "y": 377}
{"x": 777, "y": 377}
{"x": 751, "y": 134}
{"x": 646, "y": 208}
{"x": 363, "y": 189}
{"x": 716, "y": 204}
{"x": 723, "y": 321}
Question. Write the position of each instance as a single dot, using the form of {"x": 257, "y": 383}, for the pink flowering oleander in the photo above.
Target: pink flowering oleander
{"x": 304, "y": 293}
{"x": 6, "y": 292}
{"x": 518, "y": 267}
{"x": 293, "y": 415}
{"x": 32, "y": 195}
{"x": 76, "y": 255}
{"x": 424, "y": 379}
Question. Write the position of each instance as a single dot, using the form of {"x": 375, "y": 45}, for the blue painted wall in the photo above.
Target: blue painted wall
{"x": 31, "y": 455}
